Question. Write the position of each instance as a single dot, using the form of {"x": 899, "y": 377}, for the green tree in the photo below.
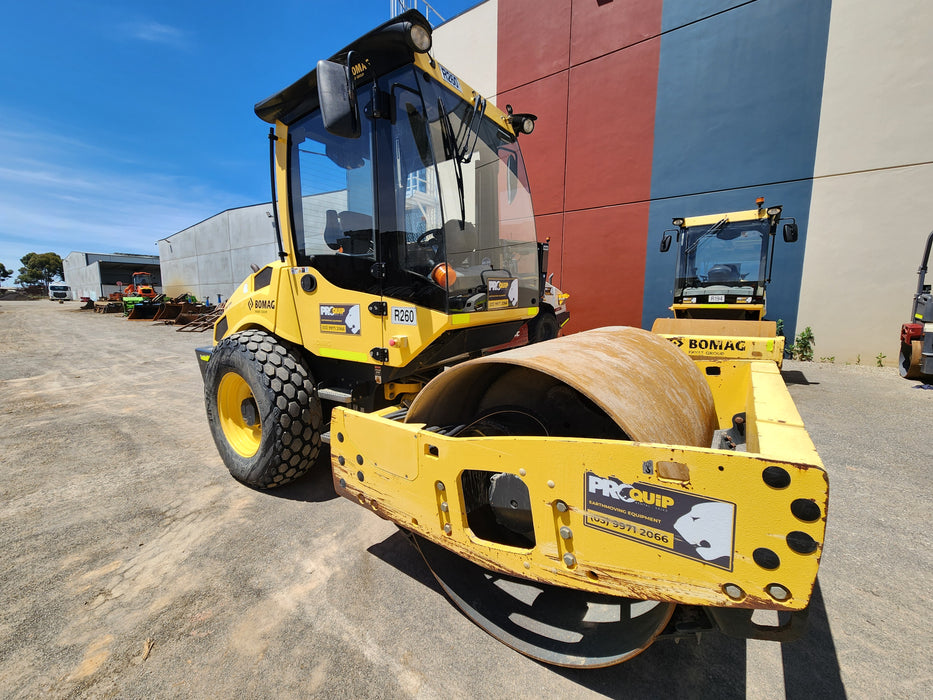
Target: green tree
{"x": 40, "y": 268}
{"x": 5, "y": 273}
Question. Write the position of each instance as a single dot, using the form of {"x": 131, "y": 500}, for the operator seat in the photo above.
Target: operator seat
{"x": 357, "y": 231}
{"x": 332, "y": 231}
{"x": 722, "y": 273}
{"x": 461, "y": 243}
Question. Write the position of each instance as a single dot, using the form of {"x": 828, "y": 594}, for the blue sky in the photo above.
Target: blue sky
{"x": 122, "y": 122}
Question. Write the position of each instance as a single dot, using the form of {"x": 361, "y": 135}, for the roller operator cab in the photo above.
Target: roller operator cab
{"x": 407, "y": 242}
{"x": 722, "y": 271}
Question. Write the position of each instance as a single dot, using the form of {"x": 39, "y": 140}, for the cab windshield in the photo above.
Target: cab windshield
{"x": 727, "y": 257}
{"x": 433, "y": 191}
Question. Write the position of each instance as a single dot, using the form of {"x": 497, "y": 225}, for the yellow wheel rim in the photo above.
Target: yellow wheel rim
{"x": 231, "y": 393}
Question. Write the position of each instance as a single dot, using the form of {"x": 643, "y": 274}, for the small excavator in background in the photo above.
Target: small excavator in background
{"x": 141, "y": 286}
{"x": 916, "y": 357}
{"x": 139, "y": 298}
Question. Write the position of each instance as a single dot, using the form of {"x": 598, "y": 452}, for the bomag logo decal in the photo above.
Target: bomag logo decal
{"x": 710, "y": 344}
{"x": 681, "y": 523}
{"x": 261, "y": 305}
{"x": 358, "y": 70}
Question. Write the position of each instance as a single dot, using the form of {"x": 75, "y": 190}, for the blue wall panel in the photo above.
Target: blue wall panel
{"x": 678, "y": 12}
{"x": 737, "y": 117}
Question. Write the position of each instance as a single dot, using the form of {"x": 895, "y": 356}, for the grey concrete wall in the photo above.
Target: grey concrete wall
{"x": 212, "y": 257}
{"x": 83, "y": 279}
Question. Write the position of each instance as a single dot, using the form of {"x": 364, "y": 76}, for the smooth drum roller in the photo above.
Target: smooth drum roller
{"x": 616, "y": 383}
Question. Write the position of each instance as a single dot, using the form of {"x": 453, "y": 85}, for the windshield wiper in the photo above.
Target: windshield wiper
{"x": 712, "y": 229}
{"x": 451, "y": 152}
{"x": 465, "y": 145}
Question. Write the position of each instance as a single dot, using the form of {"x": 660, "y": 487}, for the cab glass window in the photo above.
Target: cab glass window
{"x": 331, "y": 180}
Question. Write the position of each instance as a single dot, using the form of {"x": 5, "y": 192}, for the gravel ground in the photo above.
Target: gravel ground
{"x": 134, "y": 566}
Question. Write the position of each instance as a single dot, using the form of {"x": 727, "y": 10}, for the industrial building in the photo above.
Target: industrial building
{"x": 98, "y": 275}
{"x": 209, "y": 259}
{"x": 654, "y": 109}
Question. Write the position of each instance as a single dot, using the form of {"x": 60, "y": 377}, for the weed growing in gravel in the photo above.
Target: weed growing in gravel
{"x": 803, "y": 345}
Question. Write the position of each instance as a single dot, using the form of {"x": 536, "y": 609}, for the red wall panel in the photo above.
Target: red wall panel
{"x": 602, "y": 27}
{"x": 610, "y": 128}
{"x": 534, "y": 41}
{"x": 589, "y": 70}
{"x": 552, "y": 226}
{"x": 544, "y": 150}
{"x": 603, "y": 262}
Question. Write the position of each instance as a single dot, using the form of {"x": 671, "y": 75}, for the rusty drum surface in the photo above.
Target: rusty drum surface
{"x": 645, "y": 385}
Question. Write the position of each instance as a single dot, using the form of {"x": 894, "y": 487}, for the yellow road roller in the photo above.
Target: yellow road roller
{"x": 722, "y": 272}
{"x": 577, "y": 498}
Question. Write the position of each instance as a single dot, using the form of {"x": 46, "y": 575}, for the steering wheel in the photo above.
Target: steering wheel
{"x": 428, "y": 239}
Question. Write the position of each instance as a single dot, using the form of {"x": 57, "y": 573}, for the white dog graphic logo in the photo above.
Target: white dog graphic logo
{"x": 708, "y": 528}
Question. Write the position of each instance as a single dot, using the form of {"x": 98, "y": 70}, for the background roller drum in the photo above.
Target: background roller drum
{"x": 262, "y": 408}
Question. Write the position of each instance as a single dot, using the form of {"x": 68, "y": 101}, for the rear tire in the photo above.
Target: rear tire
{"x": 543, "y": 327}
{"x": 910, "y": 359}
{"x": 263, "y": 409}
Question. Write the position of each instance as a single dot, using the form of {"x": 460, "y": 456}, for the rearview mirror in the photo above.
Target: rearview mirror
{"x": 665, "y": 242}
{"x": 337, "y": 99}
{"x": 790, "y": 233}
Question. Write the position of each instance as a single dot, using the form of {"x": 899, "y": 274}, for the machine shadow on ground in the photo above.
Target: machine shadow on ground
{"x": 795, "y": 376}
{"x": 811, "y": 665}
{"x": 710, "y": 666}
{"x": 398, "y": 551}
{"x": 317, "y": 486}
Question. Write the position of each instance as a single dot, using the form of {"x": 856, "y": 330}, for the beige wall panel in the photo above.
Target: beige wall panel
{"x": 467, "y": 45}
{"x": 864, "y": 242}
{"x": 876, "y": 109}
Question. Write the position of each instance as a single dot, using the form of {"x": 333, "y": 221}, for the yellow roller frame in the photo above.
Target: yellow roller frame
{"x": 775, "y": 495}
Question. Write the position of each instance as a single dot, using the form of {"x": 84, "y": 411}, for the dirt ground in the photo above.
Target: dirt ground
{"x": 133, "y": 565}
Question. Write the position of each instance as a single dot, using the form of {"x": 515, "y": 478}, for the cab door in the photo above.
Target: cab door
{"x": 332, "y": 192}
{"x": 411, "y": 224}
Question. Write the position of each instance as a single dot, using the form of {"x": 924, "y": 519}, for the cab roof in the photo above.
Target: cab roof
{"x": 386, "y": 46}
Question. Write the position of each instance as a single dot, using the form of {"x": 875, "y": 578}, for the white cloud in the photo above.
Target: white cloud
{"x": 63, "y": 195}
{"x": 156, "y": 32}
